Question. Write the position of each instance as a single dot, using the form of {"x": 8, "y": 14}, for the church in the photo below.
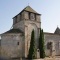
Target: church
{"x": 16, "y": 41}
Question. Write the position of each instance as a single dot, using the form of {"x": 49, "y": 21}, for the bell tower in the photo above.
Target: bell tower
{"x": 27, "y": 20}
{"x": 27, "y": 14}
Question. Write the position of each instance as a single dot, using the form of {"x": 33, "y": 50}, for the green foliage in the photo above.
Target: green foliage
{"x": 41, "y": 44}
{"x": 32, "y": 49}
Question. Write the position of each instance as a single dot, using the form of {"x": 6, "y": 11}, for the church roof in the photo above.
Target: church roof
{"x": 57, "y": 31}
{"x": 28, "y": 8}
{"x": 14, "y": 31}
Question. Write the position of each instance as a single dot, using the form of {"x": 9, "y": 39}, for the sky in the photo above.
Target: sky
{"x": 49, "y": 10}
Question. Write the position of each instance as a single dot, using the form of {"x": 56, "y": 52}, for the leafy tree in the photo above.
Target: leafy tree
{"x": 32, "y": 49}
{"x": 41, "y": 44}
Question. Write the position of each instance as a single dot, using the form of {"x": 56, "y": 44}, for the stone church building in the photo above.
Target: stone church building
{"x": 16, "y": 41}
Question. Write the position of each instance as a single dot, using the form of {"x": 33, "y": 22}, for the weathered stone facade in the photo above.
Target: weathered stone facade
{"x": 12, "y": 45}
{"x": 55, "y": 39}
{"x": 16, "y": 41}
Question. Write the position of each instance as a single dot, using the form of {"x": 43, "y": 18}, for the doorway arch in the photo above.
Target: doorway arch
{"x": 32, "y": 27}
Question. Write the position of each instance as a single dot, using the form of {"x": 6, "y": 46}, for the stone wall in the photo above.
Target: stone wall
{"x": 55, "y": 39}
{"x": 27, "y": 22}
{"x": 28, "y": 15}
{"x": 19, "y": 25}
{"x": 12, "y": 45}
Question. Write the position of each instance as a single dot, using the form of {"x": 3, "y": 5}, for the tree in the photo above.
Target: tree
{"x": 32, "y": 49}
{"x": 41, "y": 44}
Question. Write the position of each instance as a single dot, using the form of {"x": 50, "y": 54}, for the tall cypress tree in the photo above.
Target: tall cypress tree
{"x": 41, "y": 44}
{"x": 32, "y": 49}
{"x": 43, "y": 47}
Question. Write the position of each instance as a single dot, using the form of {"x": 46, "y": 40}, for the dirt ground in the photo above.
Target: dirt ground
{"x": 52, "y": 58}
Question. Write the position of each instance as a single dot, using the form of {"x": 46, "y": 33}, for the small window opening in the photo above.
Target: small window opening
{"x": 17, "y": 43}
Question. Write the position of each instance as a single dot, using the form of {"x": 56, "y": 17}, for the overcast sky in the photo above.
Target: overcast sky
{"x": 50, "y": 10}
